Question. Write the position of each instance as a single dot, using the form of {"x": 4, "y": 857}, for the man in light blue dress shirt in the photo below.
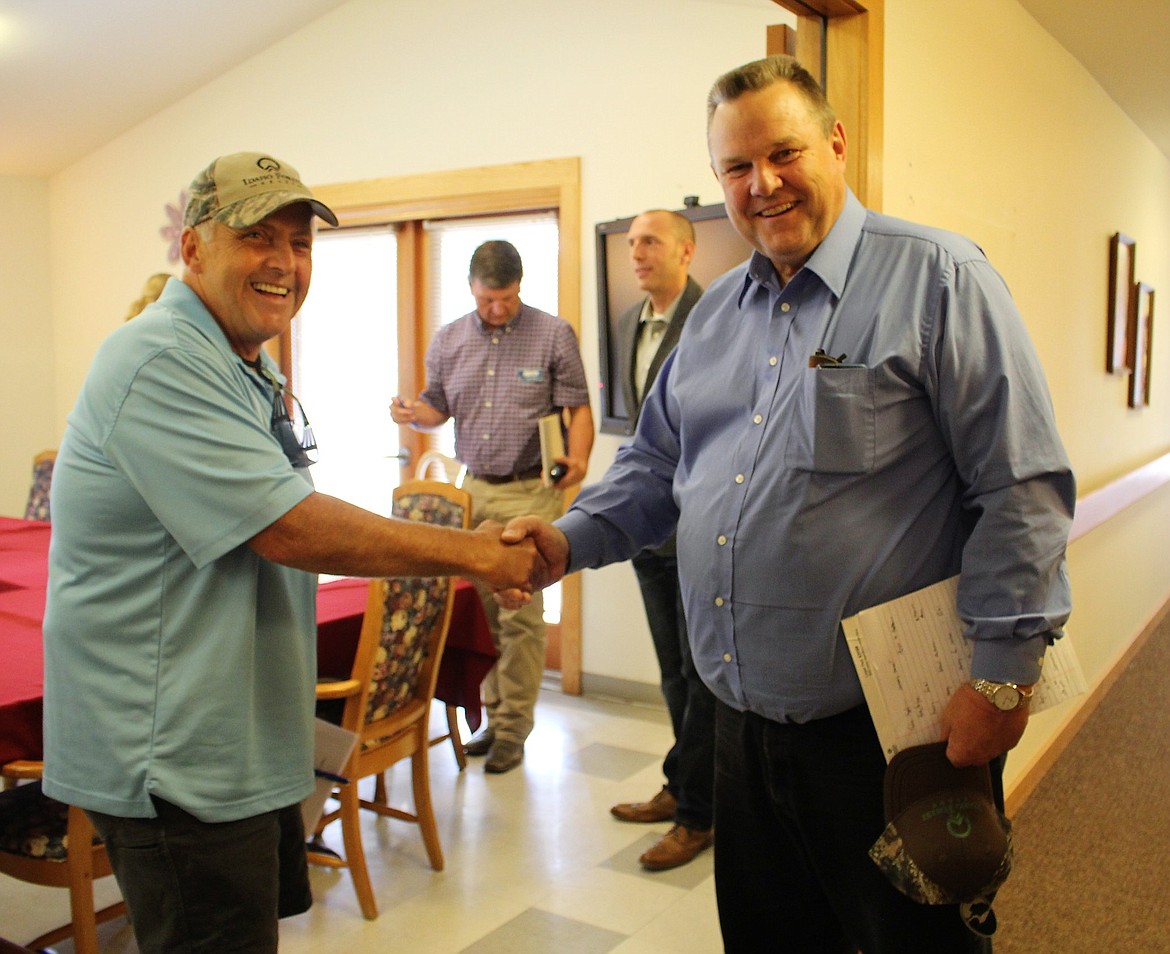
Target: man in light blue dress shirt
{"x": 852, "y": 414}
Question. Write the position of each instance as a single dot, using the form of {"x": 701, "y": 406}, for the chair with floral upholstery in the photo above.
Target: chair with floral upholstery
{"x": 389, "y": 692}
{"x": 432, "y": 509}
{"x": 38, "y": 495}
{"x": 39, "y": 840}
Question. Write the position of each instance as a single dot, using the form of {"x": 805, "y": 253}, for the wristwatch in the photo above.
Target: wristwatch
{"x": 1005, "y": 696}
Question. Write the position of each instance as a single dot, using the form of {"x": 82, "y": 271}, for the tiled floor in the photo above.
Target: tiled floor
{"x": 534, "y": 861}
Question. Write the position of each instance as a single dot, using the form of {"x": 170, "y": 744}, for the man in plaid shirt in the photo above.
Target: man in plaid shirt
{"x": 497, "y": 371}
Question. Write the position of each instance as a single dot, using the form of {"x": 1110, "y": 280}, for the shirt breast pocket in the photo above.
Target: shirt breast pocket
{"x": 532, "y": 391}
{"x": 833, "y": 428}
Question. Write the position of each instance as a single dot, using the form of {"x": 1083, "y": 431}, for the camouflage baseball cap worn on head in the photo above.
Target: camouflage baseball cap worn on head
{"x": 946, "y": 841}
{"x": 241, "y": 189}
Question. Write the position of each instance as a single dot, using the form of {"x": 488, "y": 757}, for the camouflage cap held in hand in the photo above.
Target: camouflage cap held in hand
{"x": 946, "y": 841}
{"x": 241, "y": 189}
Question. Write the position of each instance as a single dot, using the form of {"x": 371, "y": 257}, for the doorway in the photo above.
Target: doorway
{"x": 344, "y": 354}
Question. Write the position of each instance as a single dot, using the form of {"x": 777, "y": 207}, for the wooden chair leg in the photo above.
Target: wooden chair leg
{"x": 452, "y": 733}
{"x": 80, "y": 865}
{"x": 456, "y": 739}
{"x": 355, "y": 856}
{"x": 65, "y": 932}
{"x": 421, "y": 779}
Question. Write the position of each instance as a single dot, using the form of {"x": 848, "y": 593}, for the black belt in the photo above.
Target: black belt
{"x": 530, "y": 474}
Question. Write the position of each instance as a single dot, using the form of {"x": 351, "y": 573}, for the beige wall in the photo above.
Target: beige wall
{"x": 991, "y": 129}
{"x": 994, "y": 130}
{"x": 26, "y": 359}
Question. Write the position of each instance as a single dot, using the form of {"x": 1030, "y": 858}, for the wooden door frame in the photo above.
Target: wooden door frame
{"x": 850, "y": 54}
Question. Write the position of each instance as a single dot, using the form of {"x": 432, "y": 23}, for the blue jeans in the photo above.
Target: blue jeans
{"x": 796, "y": 810}
{"x": 195, "y": 887}
{"x": 689, "y": 766}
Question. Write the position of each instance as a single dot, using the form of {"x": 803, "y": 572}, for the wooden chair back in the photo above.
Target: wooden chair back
{"x": 406, "y": 505}
{"x": 435, "y": 465}
{"x": 37, "y": 507}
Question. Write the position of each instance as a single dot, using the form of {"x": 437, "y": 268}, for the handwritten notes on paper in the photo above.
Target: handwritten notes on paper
{"x": 911, "y": 656}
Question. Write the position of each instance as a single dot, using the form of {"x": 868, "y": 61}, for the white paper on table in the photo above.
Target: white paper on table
{"x": 911, "y": 656}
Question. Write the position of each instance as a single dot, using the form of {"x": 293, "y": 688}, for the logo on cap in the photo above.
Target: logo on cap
{"x": 959, "y": 825}
{"x": 946, "y": 842}
{"x": 231, "y": 191}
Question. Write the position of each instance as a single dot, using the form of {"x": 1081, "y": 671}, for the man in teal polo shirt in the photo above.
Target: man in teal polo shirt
{"x": 180, "y": 633}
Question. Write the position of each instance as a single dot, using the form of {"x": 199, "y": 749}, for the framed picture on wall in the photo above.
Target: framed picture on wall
{"x": 1122, "y": 253}
{"x": 1141, "y": 338}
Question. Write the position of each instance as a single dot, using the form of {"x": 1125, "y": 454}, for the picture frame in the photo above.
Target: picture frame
{"x": 1122, "y": 258}
{"x": 1140, "y": 344}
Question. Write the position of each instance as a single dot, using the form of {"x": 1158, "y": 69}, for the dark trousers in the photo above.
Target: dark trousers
{"x": 195, "y": 887}
{"x": 689, "y": 766}
{"x": 796, "y": 810}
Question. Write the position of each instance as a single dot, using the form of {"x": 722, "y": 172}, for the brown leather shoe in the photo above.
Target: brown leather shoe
{"x": 659, "y": 809}
{"x": 676, "y": 847}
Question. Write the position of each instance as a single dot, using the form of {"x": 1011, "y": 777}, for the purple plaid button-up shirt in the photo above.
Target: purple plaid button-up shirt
{"x": 498, "y": 382}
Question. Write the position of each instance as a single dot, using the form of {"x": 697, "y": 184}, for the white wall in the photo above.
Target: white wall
{"x": 26, "y": 359}
{"x": 382, "y": 89}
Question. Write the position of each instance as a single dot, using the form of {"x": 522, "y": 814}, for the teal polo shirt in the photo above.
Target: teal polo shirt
{"x": 178, "y": 662}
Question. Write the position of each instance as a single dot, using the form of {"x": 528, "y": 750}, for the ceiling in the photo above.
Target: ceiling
{"x": 75, "y": 74}
{"x": 1125, "y": 46}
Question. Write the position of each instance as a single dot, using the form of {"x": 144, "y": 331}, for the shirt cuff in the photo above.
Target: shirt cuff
{"x": 1011, "y": 660}
{"x": 585, "y": 550}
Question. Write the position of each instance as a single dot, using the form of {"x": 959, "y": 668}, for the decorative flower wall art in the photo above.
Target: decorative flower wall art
{"x": 174, "y": 227}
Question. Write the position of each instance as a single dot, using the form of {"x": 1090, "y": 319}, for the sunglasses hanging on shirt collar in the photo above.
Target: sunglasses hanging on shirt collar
{"x": 292, "y": 430}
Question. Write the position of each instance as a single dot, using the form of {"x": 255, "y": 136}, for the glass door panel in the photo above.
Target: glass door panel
{"x": 345, "y": 364}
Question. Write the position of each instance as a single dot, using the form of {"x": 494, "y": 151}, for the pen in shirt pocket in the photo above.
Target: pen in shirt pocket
{"x": 822, "y": 359}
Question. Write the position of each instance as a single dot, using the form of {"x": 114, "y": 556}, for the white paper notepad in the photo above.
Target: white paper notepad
{"x": 911, "y": 656}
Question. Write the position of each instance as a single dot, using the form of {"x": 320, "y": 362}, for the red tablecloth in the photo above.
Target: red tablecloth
{"x": 24, "y": 550}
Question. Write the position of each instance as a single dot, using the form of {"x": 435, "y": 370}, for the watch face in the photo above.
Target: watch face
{"x": 1006, "y": 698}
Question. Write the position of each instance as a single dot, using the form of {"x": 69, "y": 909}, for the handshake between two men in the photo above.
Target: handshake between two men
{"x": 536, "y": 555}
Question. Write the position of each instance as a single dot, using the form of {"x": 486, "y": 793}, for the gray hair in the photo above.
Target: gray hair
{"x": 760, "y": 74}
{"x": 497, "y": 264}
